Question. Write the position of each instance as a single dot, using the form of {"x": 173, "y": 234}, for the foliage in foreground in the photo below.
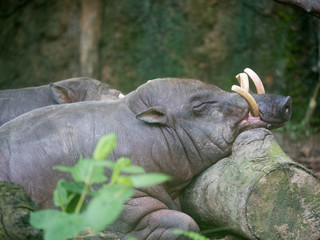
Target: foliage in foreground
{"x": 106, "y": 202}
{"x": 199, "y": 236}
{"x": 191, "y": 235}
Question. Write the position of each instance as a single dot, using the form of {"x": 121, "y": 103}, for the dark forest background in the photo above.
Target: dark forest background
{"x": 127, "y": 42}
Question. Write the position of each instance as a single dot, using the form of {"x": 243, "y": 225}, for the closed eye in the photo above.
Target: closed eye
{"x": 204, "y": 106}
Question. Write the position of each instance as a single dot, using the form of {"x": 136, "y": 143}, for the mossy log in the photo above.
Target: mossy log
{"x": 15, "y": 208}
{"x": 258, "y": 193}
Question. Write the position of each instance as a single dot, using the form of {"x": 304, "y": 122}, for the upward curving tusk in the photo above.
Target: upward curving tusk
{"x": 250, "y": 100}
{"x": 256, "y": 80}
{"x": 243, "y": 80}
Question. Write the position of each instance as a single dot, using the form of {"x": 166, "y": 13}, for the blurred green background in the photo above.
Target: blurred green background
{"x": 127, "y": 42}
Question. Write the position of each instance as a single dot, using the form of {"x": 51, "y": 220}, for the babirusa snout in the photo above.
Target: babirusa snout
{"x": 243, "y": 91}
{"x": 285, "y": 108}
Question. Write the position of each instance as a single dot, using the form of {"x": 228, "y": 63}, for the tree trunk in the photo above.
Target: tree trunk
{"x": 90, "y": 35}
{"x": 258, "y": 192}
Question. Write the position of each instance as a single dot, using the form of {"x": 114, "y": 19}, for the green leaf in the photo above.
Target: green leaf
{"x": 107, "y": 206}
{"x": 133, "y": 169}
{"x": 123, "y": 163}
{"x": 60, "y": 195}
{"x": 132, "y": 238}
{"x": 63, "y": 168}
{"x": 125, "y": 181}
{"x": 148, "y": 179}
{"x": 57, "y": 225}
{"x": 104, "y": 146}
{"x": 119, "y": 166}
{"x": 105, "y": 163}
{"x": 216, "y": 229}
{"x": 83, "y": 169}
{"x": 191, "y": 235}
{"x": 75, "y": 187}
{"x": 70, "y": 193}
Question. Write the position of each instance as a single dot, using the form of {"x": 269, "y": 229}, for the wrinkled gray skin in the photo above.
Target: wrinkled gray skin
{"x": 175, "y": 126}
{"x": 14, "y": 102}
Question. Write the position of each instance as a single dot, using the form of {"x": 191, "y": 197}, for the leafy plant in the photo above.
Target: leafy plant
{"x": 106, "y": 202}
{"x": 200, "y": 236}
{"x": 191, "y": 235}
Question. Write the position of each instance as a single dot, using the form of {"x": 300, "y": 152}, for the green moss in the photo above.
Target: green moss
{"x": 282, "y": 208}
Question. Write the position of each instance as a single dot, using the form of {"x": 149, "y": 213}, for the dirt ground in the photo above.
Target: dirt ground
{"x": 304, "y": 150}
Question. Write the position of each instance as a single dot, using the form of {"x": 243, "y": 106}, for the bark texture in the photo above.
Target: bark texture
{"x": 90, "y": 22}
{"x": 258, "y": 192}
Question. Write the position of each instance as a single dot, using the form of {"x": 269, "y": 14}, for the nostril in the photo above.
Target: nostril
{"x": 287, "y": 104}
{"x": 286, "y": 108}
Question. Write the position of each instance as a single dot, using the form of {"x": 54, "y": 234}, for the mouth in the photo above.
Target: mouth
{"x": 251, "y": 121}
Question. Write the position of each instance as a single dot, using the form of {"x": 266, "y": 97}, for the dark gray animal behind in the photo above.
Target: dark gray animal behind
{"x": 14, "y": 102}
{"x": 178, "y": 127}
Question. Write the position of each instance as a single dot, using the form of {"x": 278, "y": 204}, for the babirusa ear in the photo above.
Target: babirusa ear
{"x": 153, "y": 115}
{"x": 63, "y": 94}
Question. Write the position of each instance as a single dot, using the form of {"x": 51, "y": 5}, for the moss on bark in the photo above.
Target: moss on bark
{"x": 258, "y": 192}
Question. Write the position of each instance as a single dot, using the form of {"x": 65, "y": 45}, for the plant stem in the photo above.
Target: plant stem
{"x": 82, "y": 197}
{"x": 84, "y": 191}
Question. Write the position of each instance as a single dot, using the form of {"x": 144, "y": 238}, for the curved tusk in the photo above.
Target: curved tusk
{"x": 256, "y": 80}
{"x": 121, "y": 95}
{"x": 243, "y": 80}
{"x": 250, "y": 100}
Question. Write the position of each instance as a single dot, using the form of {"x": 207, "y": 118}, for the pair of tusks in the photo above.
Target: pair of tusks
{"x": 243, "y": 90}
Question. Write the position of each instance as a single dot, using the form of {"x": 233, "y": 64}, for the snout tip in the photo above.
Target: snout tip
{"x": 287, "y": 108}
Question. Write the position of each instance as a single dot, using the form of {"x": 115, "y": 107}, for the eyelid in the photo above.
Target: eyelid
{"x": 204, "y": 103}
{"x": 203, "y": 107}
